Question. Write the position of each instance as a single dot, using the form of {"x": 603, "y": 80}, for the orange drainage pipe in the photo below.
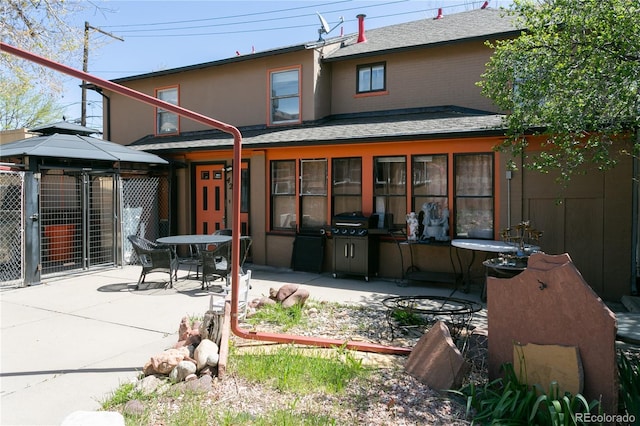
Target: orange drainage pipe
{"x": 235, "y": 238}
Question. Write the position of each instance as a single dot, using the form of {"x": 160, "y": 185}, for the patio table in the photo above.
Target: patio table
{"x": 488, "y": 246}
{"x": 194, "y": 239}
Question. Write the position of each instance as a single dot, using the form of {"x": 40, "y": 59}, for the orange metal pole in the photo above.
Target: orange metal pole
{"x": 235, "y": 237}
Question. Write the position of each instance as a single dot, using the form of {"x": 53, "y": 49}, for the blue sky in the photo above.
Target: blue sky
{"x": 167, "y": 34}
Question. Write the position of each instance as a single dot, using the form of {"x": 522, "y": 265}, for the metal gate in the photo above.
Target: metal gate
{"x": 11, "y": 228}
{"x": 78, "y": 219}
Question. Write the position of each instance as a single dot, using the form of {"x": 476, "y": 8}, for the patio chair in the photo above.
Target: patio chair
{"x": 154, "y": 257}
{"x": 216, "y": 264}
{"x": 243, "y": 297}
{"x": 192, "y": 260}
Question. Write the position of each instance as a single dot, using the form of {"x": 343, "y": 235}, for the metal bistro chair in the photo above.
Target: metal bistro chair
{"x": 216, "y": 264}
{"x": 154, "y": 257}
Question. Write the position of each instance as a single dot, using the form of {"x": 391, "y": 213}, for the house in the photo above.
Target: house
{"x": 383, "y": 122}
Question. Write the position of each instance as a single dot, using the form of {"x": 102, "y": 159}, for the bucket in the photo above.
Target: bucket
{"x": 60, "y": 239}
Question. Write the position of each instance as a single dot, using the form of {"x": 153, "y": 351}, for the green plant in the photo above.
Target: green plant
{"x": 629, "y": 377}
{"x": 407, "y": 317}
{"x": 298, "y": 370}
{"x": 507, "y": 401}
{"x": 124, "y": 393}
{"x": 276, "y": 314}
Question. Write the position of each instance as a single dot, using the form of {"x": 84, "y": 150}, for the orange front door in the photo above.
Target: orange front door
{"x": 210, "y": 198}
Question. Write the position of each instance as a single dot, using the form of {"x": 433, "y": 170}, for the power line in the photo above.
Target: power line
{"x": 228, "y": 17}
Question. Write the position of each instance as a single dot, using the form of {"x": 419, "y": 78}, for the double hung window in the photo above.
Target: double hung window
{"x": 167, "y": 122}
{"x": 285, "y": 96}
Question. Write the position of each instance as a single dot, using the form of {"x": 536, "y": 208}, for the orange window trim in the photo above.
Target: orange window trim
{"x": 368, "y": 151}
{"x": 370, "y": 94}
{"x": 155, "y": 111}
{"x": 268, "y": 97}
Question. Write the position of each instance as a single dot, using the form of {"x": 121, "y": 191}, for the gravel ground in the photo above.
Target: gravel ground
{"x": 388, "y": 397}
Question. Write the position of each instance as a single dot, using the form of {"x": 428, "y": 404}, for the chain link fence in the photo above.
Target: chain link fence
{"x": 11, "y": 228}
{"x": 145, "y": 211}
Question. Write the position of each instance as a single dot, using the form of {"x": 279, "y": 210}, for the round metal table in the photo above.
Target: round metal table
{"x": 194, "y": 239}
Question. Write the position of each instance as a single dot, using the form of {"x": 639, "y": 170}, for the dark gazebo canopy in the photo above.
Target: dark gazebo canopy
{"x": 67, "y": 140}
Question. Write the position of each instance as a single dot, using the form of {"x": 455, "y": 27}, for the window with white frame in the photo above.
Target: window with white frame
{"x": 390, "y": 187}
{"x": 474, "y": 195}
{"x": 313, "y": 193}
{"x": 346, "y": 190}
{"x": 371, "y": 78}
{"x": 167, "y": 122}
{"x": 285, "y": 96}
{"x": 429, "y": 183}
{"x": 283, "y": 195}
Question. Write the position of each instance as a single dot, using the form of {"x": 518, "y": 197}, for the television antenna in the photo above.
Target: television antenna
{"x": 324, "y": 26}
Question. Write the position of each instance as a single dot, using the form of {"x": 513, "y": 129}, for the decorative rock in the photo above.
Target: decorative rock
{"x": 203, "y": 384}
{"x": 436, "y": 361}
{"x": 166, "y": 361}
{"x": 264, "y": 301}
{"x": 182, "y": 370}
{"x": 148, "y": 385}
{"x": 213, "y": 359}
{"x": 183, "y": 329}
{"x": 298, "y": 297}
{"x": 283, "y": 292}
{"x": 203, "y": 351}
{"x": 134, "y": 407}
{"x": 191, "y": 377}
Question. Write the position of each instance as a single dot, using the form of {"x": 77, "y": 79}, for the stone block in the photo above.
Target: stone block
{"x": 436, "y": 361}
{"x": 549, "y": 303}
{"x": 543, "y": 364}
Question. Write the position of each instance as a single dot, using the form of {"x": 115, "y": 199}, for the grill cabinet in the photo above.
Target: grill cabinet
{"x": 355, "y": 250}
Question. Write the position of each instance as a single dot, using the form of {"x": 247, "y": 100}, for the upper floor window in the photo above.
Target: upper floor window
{"x": 285, "y": 96}
{"x": 167, "y": 122}
{"x": 371, "y": 78}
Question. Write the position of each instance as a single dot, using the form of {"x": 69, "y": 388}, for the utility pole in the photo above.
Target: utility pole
{"x": 85, "y": 67}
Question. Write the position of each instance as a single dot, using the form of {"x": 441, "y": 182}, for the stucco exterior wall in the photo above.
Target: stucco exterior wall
{"x": 445, "y": 75}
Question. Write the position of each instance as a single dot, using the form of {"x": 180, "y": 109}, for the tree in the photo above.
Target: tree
{"x": 573, "y": 75}
{"x": 21, "y": 106}
{"x": 42, "y": 27}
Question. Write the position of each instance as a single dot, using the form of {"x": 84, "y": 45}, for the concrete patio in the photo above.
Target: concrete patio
{"x": 66, "y": 344}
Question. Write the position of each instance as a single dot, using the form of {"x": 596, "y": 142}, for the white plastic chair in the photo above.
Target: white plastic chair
{"x": 243, "y": 297}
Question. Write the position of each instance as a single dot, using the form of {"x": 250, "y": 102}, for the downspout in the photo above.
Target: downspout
{"x": 235, "y": 238}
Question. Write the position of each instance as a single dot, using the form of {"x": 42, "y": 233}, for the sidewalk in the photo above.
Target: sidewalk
{"x": 68, "y": 343}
